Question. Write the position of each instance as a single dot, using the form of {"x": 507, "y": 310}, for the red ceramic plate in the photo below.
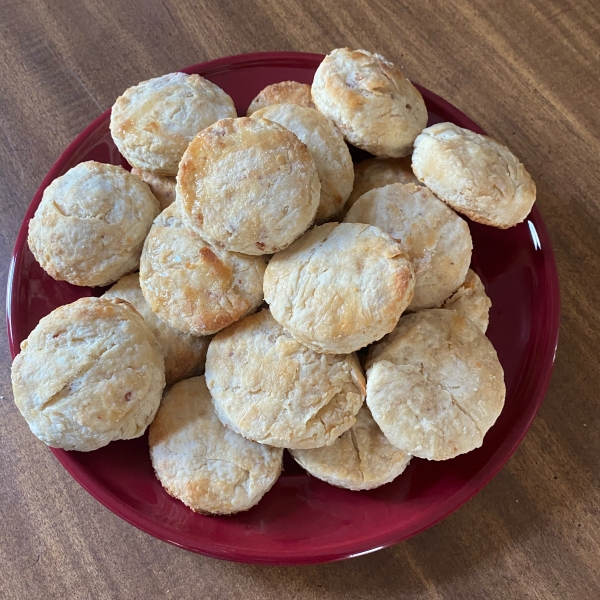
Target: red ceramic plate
{"x": 303, "y": 520}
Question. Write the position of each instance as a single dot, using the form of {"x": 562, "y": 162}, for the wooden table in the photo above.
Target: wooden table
{"x": 527, "y": 72}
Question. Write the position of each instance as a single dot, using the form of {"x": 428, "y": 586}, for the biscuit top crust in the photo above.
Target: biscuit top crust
{"x": 274, "y": 390}
{"x": 153, "y": 122}
{"x": 474, "y": 174}
{"x": 378, "y": 172}
{"x": 434, "y": 237}
{"x": 435, "y": 384}
{"x": 193, "y": 286}
{"x": 248, "y": 185}
{"x": 471, "y": 301}
{"x": 209, "y": 467}
{"x": 90, "y": 226}
{"x": 340, "y": 286}
{"x": 327, "y": 148}
{"x": 89, "y": 373}
{"x": 375, "y": 107}
{"x": 285, "y": 92}
{"x": 162, "y": 186}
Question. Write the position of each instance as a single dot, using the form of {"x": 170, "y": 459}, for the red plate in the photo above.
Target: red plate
{"x": 303, "y": 520}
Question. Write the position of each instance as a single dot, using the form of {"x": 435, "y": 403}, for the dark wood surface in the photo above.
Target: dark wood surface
{"x": 528, "y": 73}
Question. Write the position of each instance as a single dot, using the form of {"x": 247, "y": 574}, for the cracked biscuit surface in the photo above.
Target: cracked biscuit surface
{"x": 274, "y": 390}
{"x": 193, "y": 286}
{"x": 248, "y": 185}
{"x": 435, "y": 385}
{"x": 339, "y": 287}
{"x": 477, "y": 176}
{"x": 362, "y": 458}
{"x": 206, "y": 465}
{"x": 371, "y": 102}
{"x": 153, "y": 122}
{"x": 90, "y": 226}
{"x": 91, "y": 372}
{"x": 284, "y": 92}
{"x": 471, "y": 301}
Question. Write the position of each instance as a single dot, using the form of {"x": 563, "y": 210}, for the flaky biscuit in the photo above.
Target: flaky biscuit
{"x": 91, "y": 372}
{"x": 374, "y": 106}
{"x": 471, "y": 301}
{"x": 162, "y": 186}
{"x": 184, "y": 354}
{"x": 284, "y": 92}
{"x": 206, "y": 465}
{"x": 339, "y": 287}
{"x": 435, "y": 385}
{"x": 193, "y": 286}
{"x": 477, "y": 176}
{"x": 153, "y": 122}
{"x": 435, "y": 238}
{"x": 274, "y": 390}
{"x": 327, "y": 148}
{"x": 248, "y": 185}
{"x": 378, "y": 172}
{"x": 90, "y": 226}
{"x": 362, "y": 458}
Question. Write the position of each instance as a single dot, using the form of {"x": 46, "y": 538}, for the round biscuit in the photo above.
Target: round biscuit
{"x": 477, "y": 176}
{"x": 471, "y": 301}
{"x": 435, "y": 385}
{"x": 90, "y": 372}
{"x": 193, "y": 286}
{"x": 206, "y": 465}
{"x": 374, "y": 106}
{"x": 153, "y": 122}
{"x": 248, "y": 185}
{"x": 270, "y": 388}
{"x": 90, "y": 226}
{"x": 162, "y": 186}
{"x": 339, "y": 287}
{"x": 284, "y": 92}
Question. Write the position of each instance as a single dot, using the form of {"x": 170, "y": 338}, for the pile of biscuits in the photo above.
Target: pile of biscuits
{"x": 221, "y": 214}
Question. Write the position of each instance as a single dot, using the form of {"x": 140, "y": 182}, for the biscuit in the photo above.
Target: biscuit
{"x": 327, "y": 148}
{"x": 206, "y": 465}
{"x": 271, "y": 389}
{"x": 91, "y": 372}
{"x": 378, "y": 172}
{"x": 471, "y": 301}
{"x": 153, "y": 122}
{"x": 248, "y": 185}
{"x": 184, "y": 354}
{"x": 477, "y": 176}
{"x": 436, "y": 240}
{"x": 339, "y": 287}
{"x": 161, "y": 186}
{"x": 285, "y": 92}
{"x": 435, "y": 385}
{"x": 193, "y": 286}
{"x": 90, "y": 226}
{"x": 360, "y": 459}
{"x": 374, "y": 106}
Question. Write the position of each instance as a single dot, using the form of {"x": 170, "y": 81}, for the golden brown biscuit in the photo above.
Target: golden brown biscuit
{"x": 285, "y": 92}
{"x": 153, "y": 122}
{"x": 374, "y": 106}
{"x": 193, "y": 286}
{"x": 327, "y": 148}
{"x": 91, "y": 372}
{"x": 435, "y": 385}
{"x": 209, "y": 467}
{"x": 161, "y": 186}
{"x": 271, "y": 389}
{"x": 248, "y": 185}
{"x": 477, "y": 176}
{"x": 184, "y": 354}
{"x": 90, "y": 226}
{"x": 339, "y": 287}
{"x": 471, "y": 301}
{"x": 434, "y": 237}
{"x": 360, "y": 459}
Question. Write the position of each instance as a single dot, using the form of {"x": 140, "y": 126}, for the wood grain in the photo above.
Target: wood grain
{"x": 527, "y": 72}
